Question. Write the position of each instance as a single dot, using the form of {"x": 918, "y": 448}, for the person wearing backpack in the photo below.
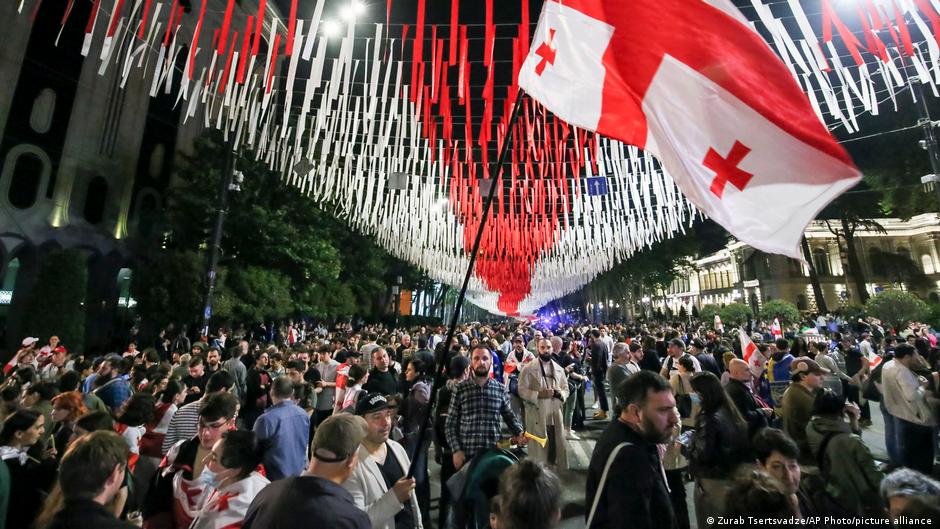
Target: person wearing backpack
{"x": 845, "y": 463}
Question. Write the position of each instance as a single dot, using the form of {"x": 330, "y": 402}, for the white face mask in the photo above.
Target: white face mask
{"x": 208, "y": 478}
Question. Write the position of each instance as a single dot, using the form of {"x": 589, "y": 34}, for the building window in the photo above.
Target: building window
{"x": 927, "y": 263}
{"x": 40, "y": 117}
{"x": 27, "y": 175}
{"x": 124, "y": 278}
{"x": 96, "y": 197}
{"x": 821, "y": 262}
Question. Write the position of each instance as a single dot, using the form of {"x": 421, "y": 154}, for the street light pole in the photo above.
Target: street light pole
{"x": 930, "y": 137}
{"x": 225, "y": 185}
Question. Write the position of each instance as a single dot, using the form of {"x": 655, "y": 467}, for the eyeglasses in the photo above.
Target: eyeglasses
{"x": 213, "y": 426}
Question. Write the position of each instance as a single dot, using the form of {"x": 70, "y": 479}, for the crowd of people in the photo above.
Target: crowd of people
{"x": 277, "y": 427}
{"x": 766, "y": 425}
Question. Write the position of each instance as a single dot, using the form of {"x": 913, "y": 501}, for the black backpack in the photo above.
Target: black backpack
{"x": 869, "y": 389}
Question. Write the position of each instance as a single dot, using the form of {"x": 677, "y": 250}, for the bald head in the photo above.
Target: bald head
{"x": 739, "y": 370}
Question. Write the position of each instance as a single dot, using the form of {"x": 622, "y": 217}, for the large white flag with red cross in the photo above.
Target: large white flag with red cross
{"x": 691, "y": 82}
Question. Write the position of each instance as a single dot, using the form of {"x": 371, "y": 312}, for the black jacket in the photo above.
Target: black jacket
{"x": 651, "y": 361}
{"x": 85, "y": 514}
{"x": 719, "y": 445}
{"x": 635, "y": 495}
{"x": 750, "y": 409}
{"x": 29, "y": 484}
{"x": 304, "y": 501}
{"x": 385, "y": 383}
{"x": 599, "y": 363}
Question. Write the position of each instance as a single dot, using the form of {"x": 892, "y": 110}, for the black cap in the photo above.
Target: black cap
{"x": 371, "y": 402}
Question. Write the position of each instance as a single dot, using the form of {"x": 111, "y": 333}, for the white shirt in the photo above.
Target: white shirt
{"x": 904, "y": 397}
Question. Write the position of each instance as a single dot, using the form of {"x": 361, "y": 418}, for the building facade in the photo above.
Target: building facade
{"x": 903, "y": 256}
{"x": 85, "y": 162}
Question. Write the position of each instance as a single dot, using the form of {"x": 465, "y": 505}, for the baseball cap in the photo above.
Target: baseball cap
{"x": 60, "y": 349}
{"x": 806, "y": 365}
{"x": 338, "y": 437}
{"x": 371, "y": 402}
{"x": 29, "y": 341}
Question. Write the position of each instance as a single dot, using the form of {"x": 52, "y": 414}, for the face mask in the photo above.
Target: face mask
{"x": 209, "y": 479}
{"x": 545, "y": 357}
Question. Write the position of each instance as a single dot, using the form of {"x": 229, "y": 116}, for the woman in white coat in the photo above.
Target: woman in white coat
{"x": 543, "y": 387}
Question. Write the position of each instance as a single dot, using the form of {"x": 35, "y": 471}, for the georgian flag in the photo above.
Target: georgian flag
{"x": 755, "y": 360}
{"x": 776, "y": 329}
{"x": 692, "y": 83}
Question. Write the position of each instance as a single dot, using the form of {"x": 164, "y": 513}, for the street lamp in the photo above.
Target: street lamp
{"x": 230, "y": 182}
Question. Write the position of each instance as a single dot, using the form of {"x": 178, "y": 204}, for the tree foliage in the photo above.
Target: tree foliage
{"x": 56, "y": 304}
{"x": 897, "y": 308}
{"x": 282, "y": 254}
{"x": 253, "y": 294}
{"x": 900, "y": 269}
{"x": 171, "y": 288}
{"x": 735, "y": 314}
{"x": 778, "y": 308}
{"x": 708, "y": 313}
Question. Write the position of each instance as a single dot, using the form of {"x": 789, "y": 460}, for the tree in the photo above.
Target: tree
{"x": 844, "y": 217}
{"x": 735, "y": 314}
{"x": 708, "y": 313}
{"x": 778, "y": 308}
{"x": 900, "y": 269}
{"x": 329, "y": 269}
{"x": 253, "y": 294}
{"x": 893, "y": 163}
{"x": 56, "y": 304}
{"x": 897, "y": 308}
{"x": 814, "y": 278}
{"x": 170, "y": 288}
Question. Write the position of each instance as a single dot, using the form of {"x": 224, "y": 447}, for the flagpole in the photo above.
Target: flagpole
{"x": 496, "y": 170}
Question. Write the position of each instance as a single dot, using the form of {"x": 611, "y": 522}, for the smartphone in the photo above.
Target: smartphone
{"x": 685, "y": 439}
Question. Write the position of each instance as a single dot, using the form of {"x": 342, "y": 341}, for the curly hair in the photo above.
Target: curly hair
{"x": 758, "y": 494}
{"x": 138, "y": 410}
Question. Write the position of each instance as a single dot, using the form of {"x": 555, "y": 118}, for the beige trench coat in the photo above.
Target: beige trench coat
{"x": 540, "y": 412}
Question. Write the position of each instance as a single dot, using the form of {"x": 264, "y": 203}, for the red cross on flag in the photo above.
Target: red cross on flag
{"x": 691, "y": 82}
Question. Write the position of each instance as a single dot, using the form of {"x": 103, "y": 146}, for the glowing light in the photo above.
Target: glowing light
{"x": 331, "y": 28}
{"x": 351, "y": 11}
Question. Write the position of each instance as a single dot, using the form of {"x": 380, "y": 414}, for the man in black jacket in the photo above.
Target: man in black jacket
{"x": 90, "y": 476}
{"x": 600, "y": 361}
{"x": 633, "y": 493}
{"x": 755, "y": 412}
{"x": 315, "y": 498}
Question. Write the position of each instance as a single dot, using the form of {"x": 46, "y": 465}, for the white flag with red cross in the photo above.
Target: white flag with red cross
{"x": 755, "y": 360}
{"x": 692, "y": 83}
